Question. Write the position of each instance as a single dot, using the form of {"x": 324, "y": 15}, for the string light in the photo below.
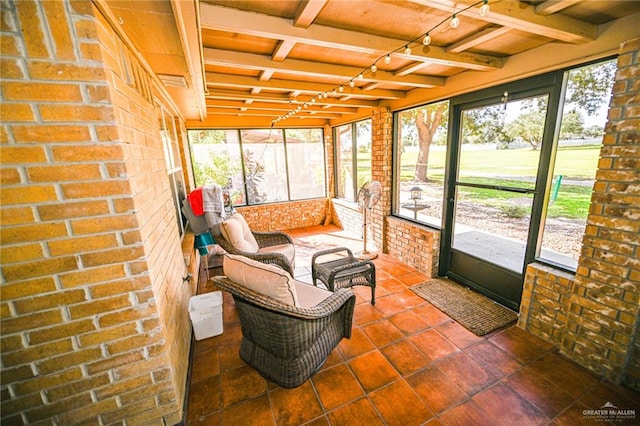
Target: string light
{"x": 454, "y": 22}
{"x": 484, "y": 9}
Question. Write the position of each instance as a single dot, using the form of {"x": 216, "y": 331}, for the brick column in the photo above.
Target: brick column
{"x": 604, "y": 309}
{"x": 381, "y": 170}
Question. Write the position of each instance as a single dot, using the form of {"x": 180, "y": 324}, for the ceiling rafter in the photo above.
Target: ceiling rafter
{"x": 522, "y": 16}
{"x": 283, "y": 98}
{"x": 244, "y": 82}
{"x": 308, "y": 12}
{"x": 261, "y": 25}
{"x": 341, "y": 73}
{"x": 275, "y": 106}
{"x": 477, "y": 39}
{"x": 552, "y": 6}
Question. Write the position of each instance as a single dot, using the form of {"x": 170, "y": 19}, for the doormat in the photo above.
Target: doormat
{"x": 472, "y": 310}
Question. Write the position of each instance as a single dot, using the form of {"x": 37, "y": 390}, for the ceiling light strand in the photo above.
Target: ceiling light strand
{"x": 424, "y": 38}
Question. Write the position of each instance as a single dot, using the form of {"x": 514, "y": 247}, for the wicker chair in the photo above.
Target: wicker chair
{"x": 287, "y": 344}
{"x": 265, "y": 240}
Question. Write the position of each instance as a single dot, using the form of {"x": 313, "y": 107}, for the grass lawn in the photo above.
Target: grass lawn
{"x": 509, "y": 168}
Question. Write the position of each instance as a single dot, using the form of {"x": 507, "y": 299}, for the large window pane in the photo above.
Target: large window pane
{"x": 344, "y": 153}
{"x": 305, "y": 156}
{"x": 217, "y": 160}
{"x": 265, "y": 167}
{"x": 420, "y": 160}
{"x": 363, "y": 152}
{"x": 576, "y": 159}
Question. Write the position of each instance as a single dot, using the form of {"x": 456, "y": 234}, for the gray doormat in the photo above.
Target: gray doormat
{"x": 472, "y": 310}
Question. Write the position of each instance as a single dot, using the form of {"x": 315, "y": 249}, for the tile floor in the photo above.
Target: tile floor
{"x": 407, "y": 363}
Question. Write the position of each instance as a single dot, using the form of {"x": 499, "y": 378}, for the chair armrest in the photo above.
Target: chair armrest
{"x": 326, "y": 252}
{"x": 273, "y": 238}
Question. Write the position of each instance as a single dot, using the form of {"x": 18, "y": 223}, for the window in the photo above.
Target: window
{"x": 168, "y": 133}
{"x": 260, "y": 166}
{"x": 584, "y": 115}
{"x": 353, "y": 158}
{"x": 420, "y": 153}
{"x": 305, "y": 158}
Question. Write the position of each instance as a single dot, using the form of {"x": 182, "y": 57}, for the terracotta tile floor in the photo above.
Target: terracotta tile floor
{"x": 407, "y": 363}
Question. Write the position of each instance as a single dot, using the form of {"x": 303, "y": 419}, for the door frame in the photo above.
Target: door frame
{"x": 553, "y": 84}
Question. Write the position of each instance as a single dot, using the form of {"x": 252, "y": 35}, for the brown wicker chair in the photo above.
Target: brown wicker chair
{"x": 264, "y": 239}
{"x": 287, "y": 344}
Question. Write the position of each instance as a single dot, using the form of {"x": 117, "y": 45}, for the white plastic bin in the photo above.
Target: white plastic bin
{"x": 205, "y": 311}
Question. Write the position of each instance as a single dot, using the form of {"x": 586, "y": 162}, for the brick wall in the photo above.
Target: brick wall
{"x": 595, "y": 317}
{"x": 282, "y": 216}
{"x": 413, "y": 244}
{"x": 94, "y": 321}
{"x": 545, "y": 299}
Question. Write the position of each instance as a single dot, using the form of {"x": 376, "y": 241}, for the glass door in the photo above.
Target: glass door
{"x": 496, "y": 161}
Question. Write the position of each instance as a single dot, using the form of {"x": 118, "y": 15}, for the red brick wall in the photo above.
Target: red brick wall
{"x": 283, "y": 216}
{"x": 94, "y": 321}
{"x": 595, "y": 316}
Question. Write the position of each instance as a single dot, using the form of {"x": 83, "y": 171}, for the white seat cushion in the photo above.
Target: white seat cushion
{"x": 310, "y": 295}
{"x": 287, "y": 249}
{"x": 237, "y": 232}
{"x": 266, "y": 279}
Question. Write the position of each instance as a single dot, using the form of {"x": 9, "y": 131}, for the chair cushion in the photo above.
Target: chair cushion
{"x": 287, "y": 249}
{"x": 310, "y": 295}
{"x": 237, "y": 232}
{"x": 266, "y": 279}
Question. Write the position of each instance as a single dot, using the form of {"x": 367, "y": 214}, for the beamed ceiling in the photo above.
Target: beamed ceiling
{"x": 261, "y": 60}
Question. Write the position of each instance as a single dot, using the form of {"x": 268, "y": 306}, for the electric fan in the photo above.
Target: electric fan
{"x": 368, "y": 196}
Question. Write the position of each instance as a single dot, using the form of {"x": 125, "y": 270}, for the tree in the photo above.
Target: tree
{"x": 528, "y": 126}
{"x": 589, "y": 87}
{"x": 427, "y": 120}
{"x": 572, "y": 125}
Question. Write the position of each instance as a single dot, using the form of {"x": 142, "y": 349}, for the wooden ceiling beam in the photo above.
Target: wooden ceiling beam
{"x": 260, "y": 25}
{"x": 477, "y": 39}
{"x": 284, "y": 98}
{"x": 307, "y": 12}
{"x": 553, "y": 6}
{"x": 521, "y": 16}
{"x": 250, "y": 61}
{"x": 273, "y": 106}
{"x": 310, "y": 88}
{"x": 256, "y": 113}
{"x": 282, "y": 51}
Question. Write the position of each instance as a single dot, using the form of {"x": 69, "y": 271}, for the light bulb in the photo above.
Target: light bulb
{"x": 455, "y": 21}
{"x": 374, "y": 68}
{"x": 387, "y": 59}
{"x": 407, "y": 50}
{"x": 484, "y": 9}
{"x": 427, "y": 39}
{"x": 341, "y": 89}
{"x": 351, "y": 83}
{"x": 360, "y": 76}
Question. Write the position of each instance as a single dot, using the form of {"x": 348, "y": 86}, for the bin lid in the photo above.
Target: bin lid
{"x": 204, "y": 301}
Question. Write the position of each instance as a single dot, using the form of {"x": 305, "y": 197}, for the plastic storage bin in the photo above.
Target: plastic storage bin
{"x": 205, "y": 311}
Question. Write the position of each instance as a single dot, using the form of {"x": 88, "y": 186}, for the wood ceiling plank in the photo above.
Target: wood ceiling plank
{"x": 292, "y": 66}
{"x": 264, "y": 26}
{"x": 310, "y": 88}
{"x": 307, "y": 12}
{"x": 522, "y": 16}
